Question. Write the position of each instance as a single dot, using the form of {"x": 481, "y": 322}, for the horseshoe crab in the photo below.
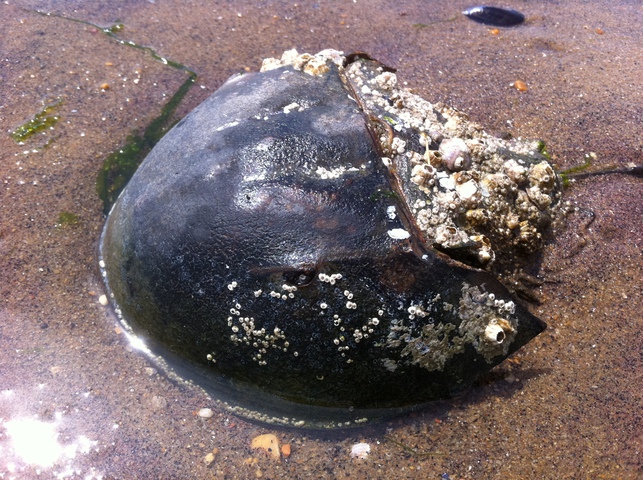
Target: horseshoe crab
{"x": 318, "y": 247}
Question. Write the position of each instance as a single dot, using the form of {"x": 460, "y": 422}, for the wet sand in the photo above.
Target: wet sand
{"x": 568, "y": 405}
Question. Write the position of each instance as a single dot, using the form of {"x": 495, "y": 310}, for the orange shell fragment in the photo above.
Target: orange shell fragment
{"x": 520, "y": 86}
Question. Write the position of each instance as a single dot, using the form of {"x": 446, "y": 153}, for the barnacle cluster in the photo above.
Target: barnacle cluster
{"x": 483, "y": 200}
{"x": 475, "y": 196}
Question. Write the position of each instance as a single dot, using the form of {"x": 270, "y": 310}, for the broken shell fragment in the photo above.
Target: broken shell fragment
{"x": 299, "y": 247}
{"x": 268, "y": 443}
{"x": 360, "y": 450}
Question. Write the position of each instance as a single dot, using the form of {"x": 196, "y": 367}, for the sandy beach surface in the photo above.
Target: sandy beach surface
{"x": 78, "y": 401}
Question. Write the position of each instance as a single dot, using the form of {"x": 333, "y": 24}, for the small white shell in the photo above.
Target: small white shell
{"x": 360, "y": 450}
{"x": 455, "y": 154}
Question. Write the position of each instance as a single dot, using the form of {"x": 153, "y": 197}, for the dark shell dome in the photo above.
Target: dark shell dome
{"x": 269, "y": 250}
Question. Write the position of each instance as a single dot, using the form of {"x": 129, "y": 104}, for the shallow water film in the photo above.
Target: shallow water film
{"x": 78, "y": 399}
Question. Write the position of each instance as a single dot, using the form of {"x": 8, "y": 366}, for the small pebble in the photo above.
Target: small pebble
{"x": 158, "y": 403}
{"x": 205, "y": 413}
{"x": 210, "y": 457}
{"x": 103, "y": 300}
{"x": 285, "y": 450}
{"x": 520, "y": 85}
{"x": 499, "y": 17}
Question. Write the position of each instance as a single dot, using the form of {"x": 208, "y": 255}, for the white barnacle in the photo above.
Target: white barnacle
{"x": 494, "y": 334}
{"x": 510, "y": 307}
{"x": 398, "y": 234}
{"x": 232, "y": 286}
{"x": 398, "y": 145}
{"x": 417, "y": 310}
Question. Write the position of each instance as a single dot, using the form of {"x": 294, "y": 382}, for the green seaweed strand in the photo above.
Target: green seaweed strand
{"x": 412, "y": 451}
{"x": 435, "y": 22}
{"x": 583, "y": 170}
{"x": 565, "y": 174}
{"x": 41, "y": 121}
{"x": 67, "y": 218}
{"x": 121, "y": 164}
